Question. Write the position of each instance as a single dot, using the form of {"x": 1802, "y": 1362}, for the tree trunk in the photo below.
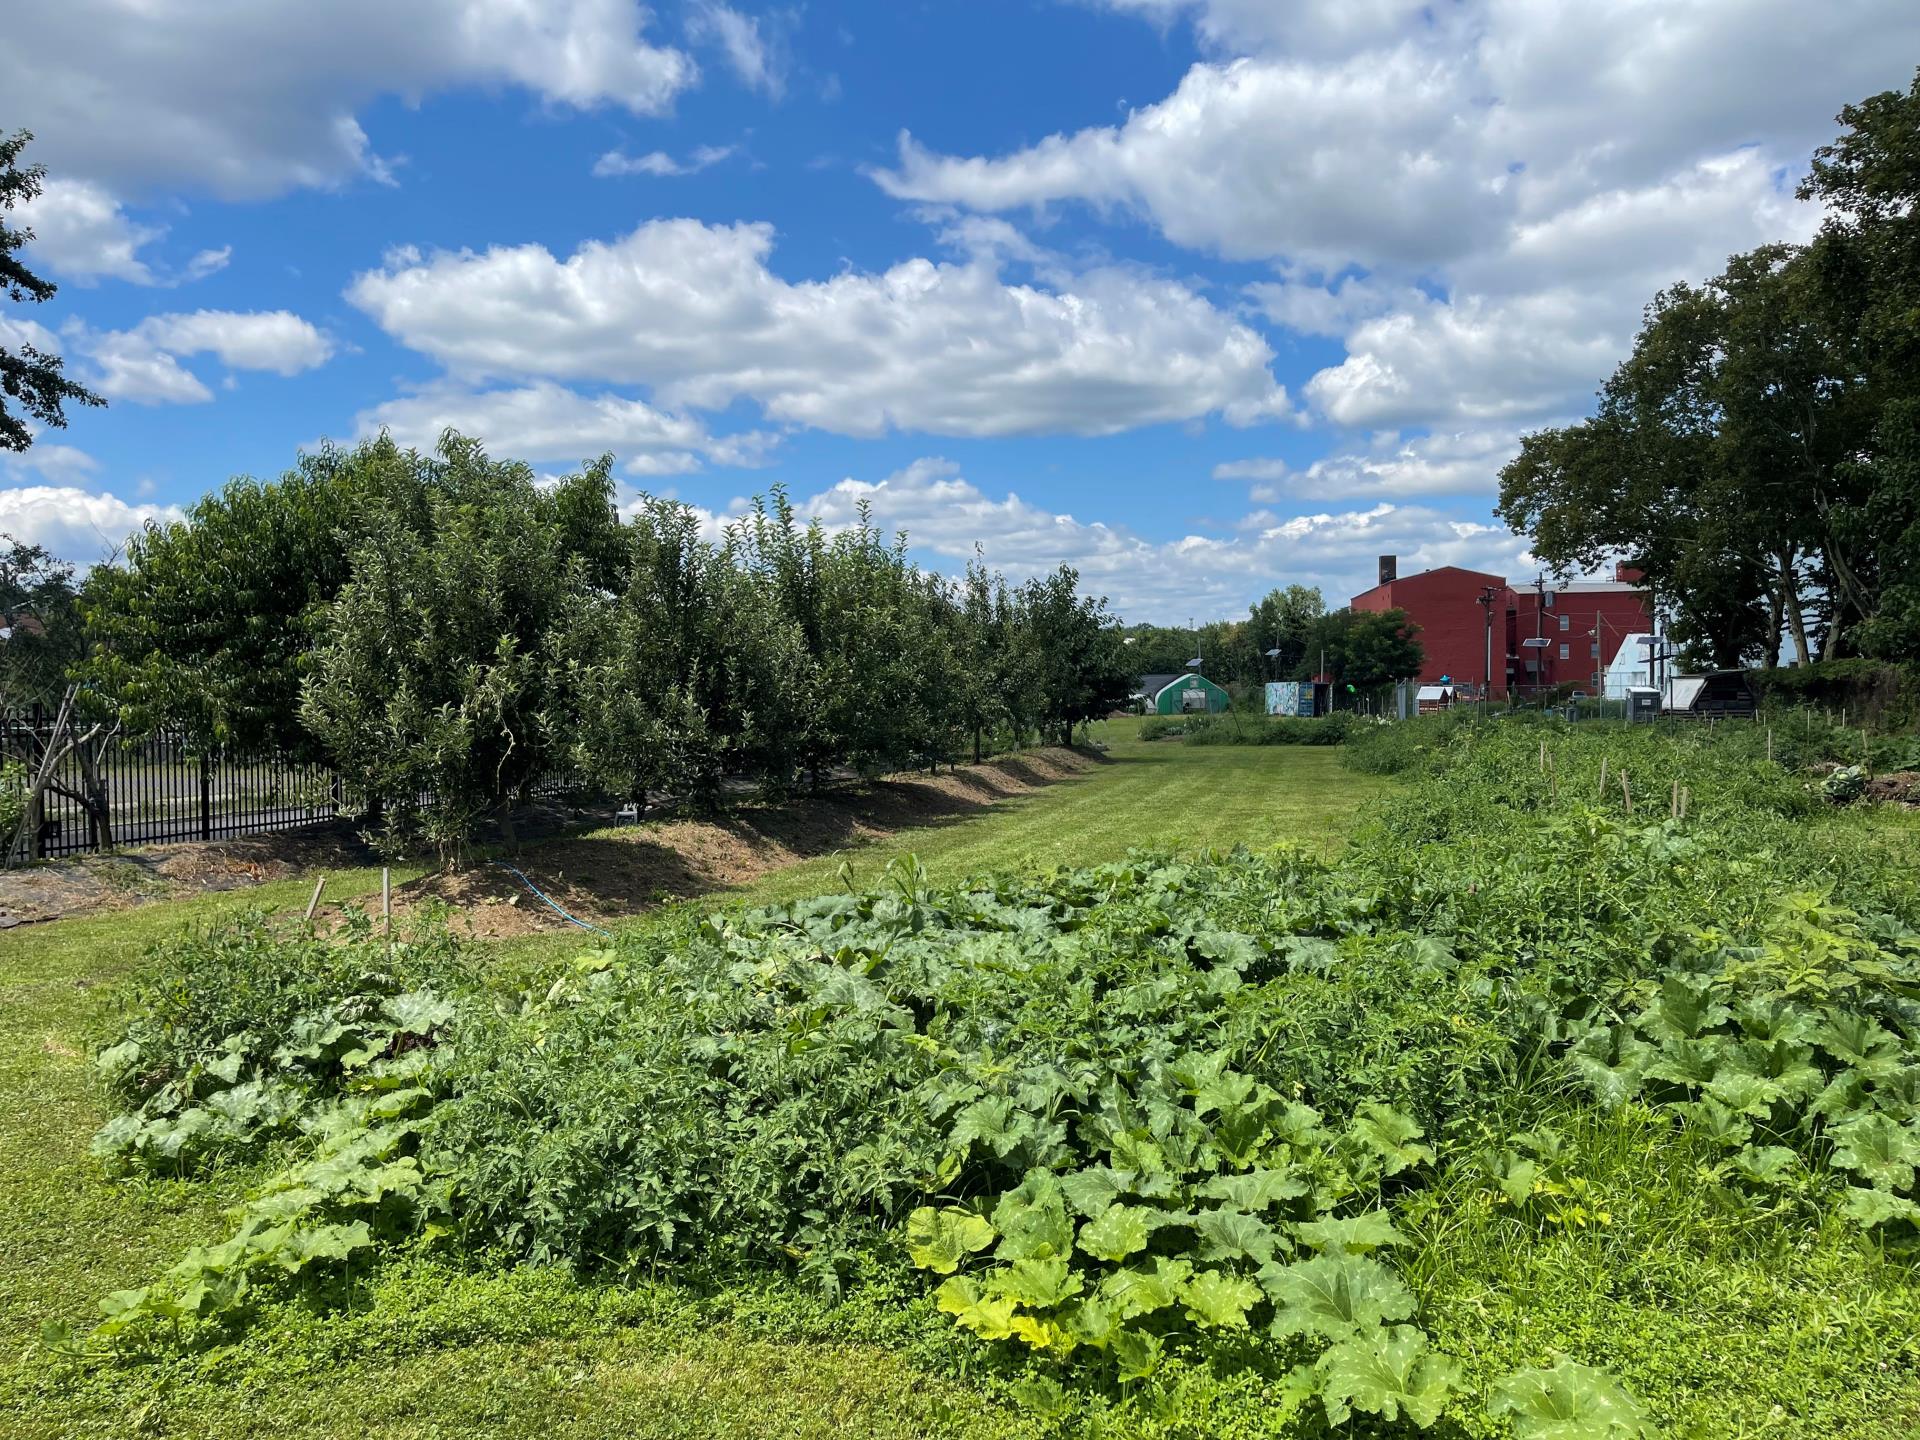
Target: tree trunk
{"x": 1790, "y": 593}
{"x": 94, "y": 797}
{"x": 1830, "y": 647}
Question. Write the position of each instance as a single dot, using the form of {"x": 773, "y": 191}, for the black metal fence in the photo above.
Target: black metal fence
{"x": 146, "y": 789}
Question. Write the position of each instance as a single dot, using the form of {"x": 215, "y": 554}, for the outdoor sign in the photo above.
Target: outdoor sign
{"x": 1290, "y": 697}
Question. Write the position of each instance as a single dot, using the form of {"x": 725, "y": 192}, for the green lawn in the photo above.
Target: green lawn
{"x": 522, "y": 1354}
{"x": 1159, "y": 794}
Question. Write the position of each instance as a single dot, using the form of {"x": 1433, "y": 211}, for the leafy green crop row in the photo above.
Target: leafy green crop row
{"x": 1137, "y": 1119}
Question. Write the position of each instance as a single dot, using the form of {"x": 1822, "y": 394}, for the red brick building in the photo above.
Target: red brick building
{"x": 1472, "y": 622}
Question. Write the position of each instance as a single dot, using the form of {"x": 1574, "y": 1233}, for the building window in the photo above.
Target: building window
{"x": 1565, "y": 620}
{"x": 1564, "y": 647}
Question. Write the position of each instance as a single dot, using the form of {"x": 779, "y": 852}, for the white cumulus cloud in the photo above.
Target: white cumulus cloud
{"x": 77, "y": 525}
{"x": 659, "y": 163}
{"x": 548, "y": 422}
{"x": 143, "y": 364}
{"x": 1167, "y": 581}
{"x": 1476, "y": 197}
{"x": 249, "y": 98}
{"x": 695, "y": 312}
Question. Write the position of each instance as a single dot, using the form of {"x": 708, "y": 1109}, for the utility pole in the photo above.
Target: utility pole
{"x": 1540, "y": 628}
{"x": 1488, "y": 595}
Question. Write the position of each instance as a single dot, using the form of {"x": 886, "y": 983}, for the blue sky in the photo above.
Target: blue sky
{"x": 1201, "y": 296}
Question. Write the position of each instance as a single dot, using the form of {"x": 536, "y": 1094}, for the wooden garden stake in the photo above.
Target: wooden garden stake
{"x": 1674, "y": 809}
{"x": 314, "y": 903}
{"x": 1769, "y": 744}
{"x": 1626, "y": 791}
{"x": 1603, "y": 777}
{"x": 1686, "y": 799}
{"x": 1543, "y": 757}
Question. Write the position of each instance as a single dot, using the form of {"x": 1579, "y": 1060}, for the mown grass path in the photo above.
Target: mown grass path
{"x": 1158, "y": 794}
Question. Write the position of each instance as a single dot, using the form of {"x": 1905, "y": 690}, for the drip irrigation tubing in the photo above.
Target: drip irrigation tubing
{"x": 542, "y": 896}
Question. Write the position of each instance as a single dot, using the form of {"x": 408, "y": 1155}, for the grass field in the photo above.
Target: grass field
{"x": 429, "y": 1356}
{"x": 1159, "y": 794}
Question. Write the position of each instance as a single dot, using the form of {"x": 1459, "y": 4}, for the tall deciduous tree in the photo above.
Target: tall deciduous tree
{"x": 33, "y": 384}
{"x": 1283, "y": 620}
{"x": 1866, "y": 268}
{"x": 1366, "y": 649}
{"x": 211, "y": 624}
{"x": 1073, "y": 651}
{"x": 438, "y": 689}
{"x": 1750, "y": 456}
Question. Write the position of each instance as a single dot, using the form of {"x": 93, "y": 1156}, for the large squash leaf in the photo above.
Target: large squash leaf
{"x": 938, "y": 1240}
{"x": 1389, "y": 1373}
{"x": 1335, "y": 1296}
{"x": 1569, "y": 1402}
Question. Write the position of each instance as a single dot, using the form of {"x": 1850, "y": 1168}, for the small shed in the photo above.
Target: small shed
{"x": 1181, "y": 694}
{"x": 1715, "y": 692}
{"x": 1430, "y": 698}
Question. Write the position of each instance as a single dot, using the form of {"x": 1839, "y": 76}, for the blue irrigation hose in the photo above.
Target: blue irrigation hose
{"x": 541, "y": 895}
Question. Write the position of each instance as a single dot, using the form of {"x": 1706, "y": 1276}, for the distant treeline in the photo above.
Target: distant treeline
{"x": 1288, "y": 635}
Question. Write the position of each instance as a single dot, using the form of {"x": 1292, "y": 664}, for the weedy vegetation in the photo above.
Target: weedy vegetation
{"x": 1529, "y": 1115}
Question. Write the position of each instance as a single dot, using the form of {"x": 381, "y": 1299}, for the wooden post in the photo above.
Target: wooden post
{"x": 1603, "y": 777}
{"x": 1769, "y": 744}
{"x": 1543, "y": 757}
{"x": 1626, "y": 791}
{"x": 1674, "y": 809}
{"x": 1686, "y": 799}
{"x": 314, "y": 903}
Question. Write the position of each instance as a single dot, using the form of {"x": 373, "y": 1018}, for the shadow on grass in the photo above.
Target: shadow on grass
{"x": 613, "y": 875}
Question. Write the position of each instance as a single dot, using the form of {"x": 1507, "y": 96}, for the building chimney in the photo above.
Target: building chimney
{"x": 1389, "y": 569}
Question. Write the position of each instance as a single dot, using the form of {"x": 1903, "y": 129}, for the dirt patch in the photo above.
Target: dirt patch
{"x": 1900, "y": 788}
{"x": 87, "y": 884}
{"x": 617, "y": 873}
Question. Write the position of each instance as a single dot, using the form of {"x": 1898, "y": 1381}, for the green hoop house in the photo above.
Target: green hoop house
{"x": 1183, "y": 695}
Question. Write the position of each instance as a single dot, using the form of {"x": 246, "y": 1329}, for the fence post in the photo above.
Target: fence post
{"x": 206, "y": 799}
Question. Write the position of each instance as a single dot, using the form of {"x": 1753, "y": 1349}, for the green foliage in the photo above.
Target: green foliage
{"x": 439, "y": 689}
{"x": 239, "y": 1034}
{"x": 1241, "y": 728}
{"x": 1569, "y": 1402}
{"x": 1365, "y": 649}
{"x": 1789, "y": 374}
{"x": 1171, "y": 1118}
{"x": 30, "y": 378}
{"x": 211, "y": 624}
{"x": 13, "y": 796}
{"x": 40, "y": 612}
{"x": 454, "y": 638}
